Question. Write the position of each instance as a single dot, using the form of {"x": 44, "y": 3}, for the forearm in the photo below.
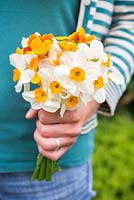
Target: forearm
{"x": 120, "y": 44}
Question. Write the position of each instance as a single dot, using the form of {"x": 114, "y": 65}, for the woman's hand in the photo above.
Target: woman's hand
{"x": 50, "y": 127}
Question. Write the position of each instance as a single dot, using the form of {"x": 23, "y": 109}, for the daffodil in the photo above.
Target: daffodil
{"x": 80, "y": 36}
{"x": 71, "y": 103}
{"x": 75, "y": 71}
{"x": 42, "y": 99}
{"x": 96, "y": 51}
{"x": 22, "y": 73}
{"x": 25, "y": 42}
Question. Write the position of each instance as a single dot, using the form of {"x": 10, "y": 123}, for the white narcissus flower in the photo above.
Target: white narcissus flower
{"x": 39, "y": 98}
{"x": 75, "y": 70}
{"x": 21, "y": 64}
{"x": 96, "y": 50}
{"x": 70, "y": 103}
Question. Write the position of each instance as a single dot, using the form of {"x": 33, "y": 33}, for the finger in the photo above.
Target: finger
{"x": 31, "y": 113}
{"x": 49, "y": 144}
{"x": 53, "y": 155}
{"x": 54, "y": 118}
{"x": 59, "y": 130}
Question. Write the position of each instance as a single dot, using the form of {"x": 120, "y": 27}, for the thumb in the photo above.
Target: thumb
{"x": 31, "y": 113}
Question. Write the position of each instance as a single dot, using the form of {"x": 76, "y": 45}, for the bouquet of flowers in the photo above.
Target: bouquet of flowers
{"x": 67, "y": 72}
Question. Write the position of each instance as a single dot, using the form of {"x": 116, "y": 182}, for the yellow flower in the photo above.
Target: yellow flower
{"x": 47, "y": 37}
{"x": 77, "y": 74}
{"x": 99, "y": 83}
{"x": 40, "y": 95}
{"x": 67, "y": 46}
{"x": 36, "y": 79}
{"x": 80, "y": 37}
{"x": 31, "y": 38}
{"x": 39, "y": 47}
{"x": 16, "y": 74}
{"x": 55, "y": 87}
{"x": 72, "y": 101}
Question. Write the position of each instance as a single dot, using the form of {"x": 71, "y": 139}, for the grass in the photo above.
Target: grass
{"x": 113, "y": 158}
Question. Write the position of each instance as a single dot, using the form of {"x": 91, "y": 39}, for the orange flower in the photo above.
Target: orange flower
{"x": 31, "y": 38}
{"x": 47, "y": 37}
{"x": 67, "y": 46}
{"x": 39, "y": 47}
{"x": 80, "y": 37}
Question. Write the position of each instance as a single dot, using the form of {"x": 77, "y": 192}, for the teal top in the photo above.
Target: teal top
{"x": 21, "y": 18}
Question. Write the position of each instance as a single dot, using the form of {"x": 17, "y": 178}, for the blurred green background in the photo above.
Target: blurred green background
{"x": 113, "y": 158}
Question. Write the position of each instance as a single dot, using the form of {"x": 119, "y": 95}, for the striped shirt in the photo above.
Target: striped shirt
{"x": 112, "y": 21}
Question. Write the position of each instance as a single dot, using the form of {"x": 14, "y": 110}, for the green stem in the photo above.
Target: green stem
{"x": 44, "y": 169}
{"x": 36, "y": 170}
{"x": 49, "y": 170}
{"x": 41, "y": 174}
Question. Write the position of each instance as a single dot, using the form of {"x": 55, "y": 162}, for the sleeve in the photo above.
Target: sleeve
{"x": 120, "y": 44}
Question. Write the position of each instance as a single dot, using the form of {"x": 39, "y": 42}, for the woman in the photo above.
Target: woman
{"x": 113, "y": 23}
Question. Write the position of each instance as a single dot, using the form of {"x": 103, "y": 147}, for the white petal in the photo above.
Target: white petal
{"x": 27, "y": 76}
{"x": 96, "y": 44}
{"x": 18, "y": 87}
{"x": 28, "y": 96}
{"x": 18, "y": 61}
{"x": 55, "y": 46}
{"x": 69, "y": 85}
{"x": 46, "y": 74}
{"x": 95, "y": 50}
{"x": 79, "y": 59}
{"x": 67, "y": 59}
{"x": 83, "y": 47}
{"x": 61, "y": 71}
{"x": 86, "y": 86}
{"x": 52, "y": 56}
{"x": 24, "y": 42}
{"x": 36, "y": 105}
{"x": 51, "y": 106}
{"x": 99, "y": 95}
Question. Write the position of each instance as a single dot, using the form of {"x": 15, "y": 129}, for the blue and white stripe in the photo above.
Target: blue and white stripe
{"x": 112, "y": 21}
